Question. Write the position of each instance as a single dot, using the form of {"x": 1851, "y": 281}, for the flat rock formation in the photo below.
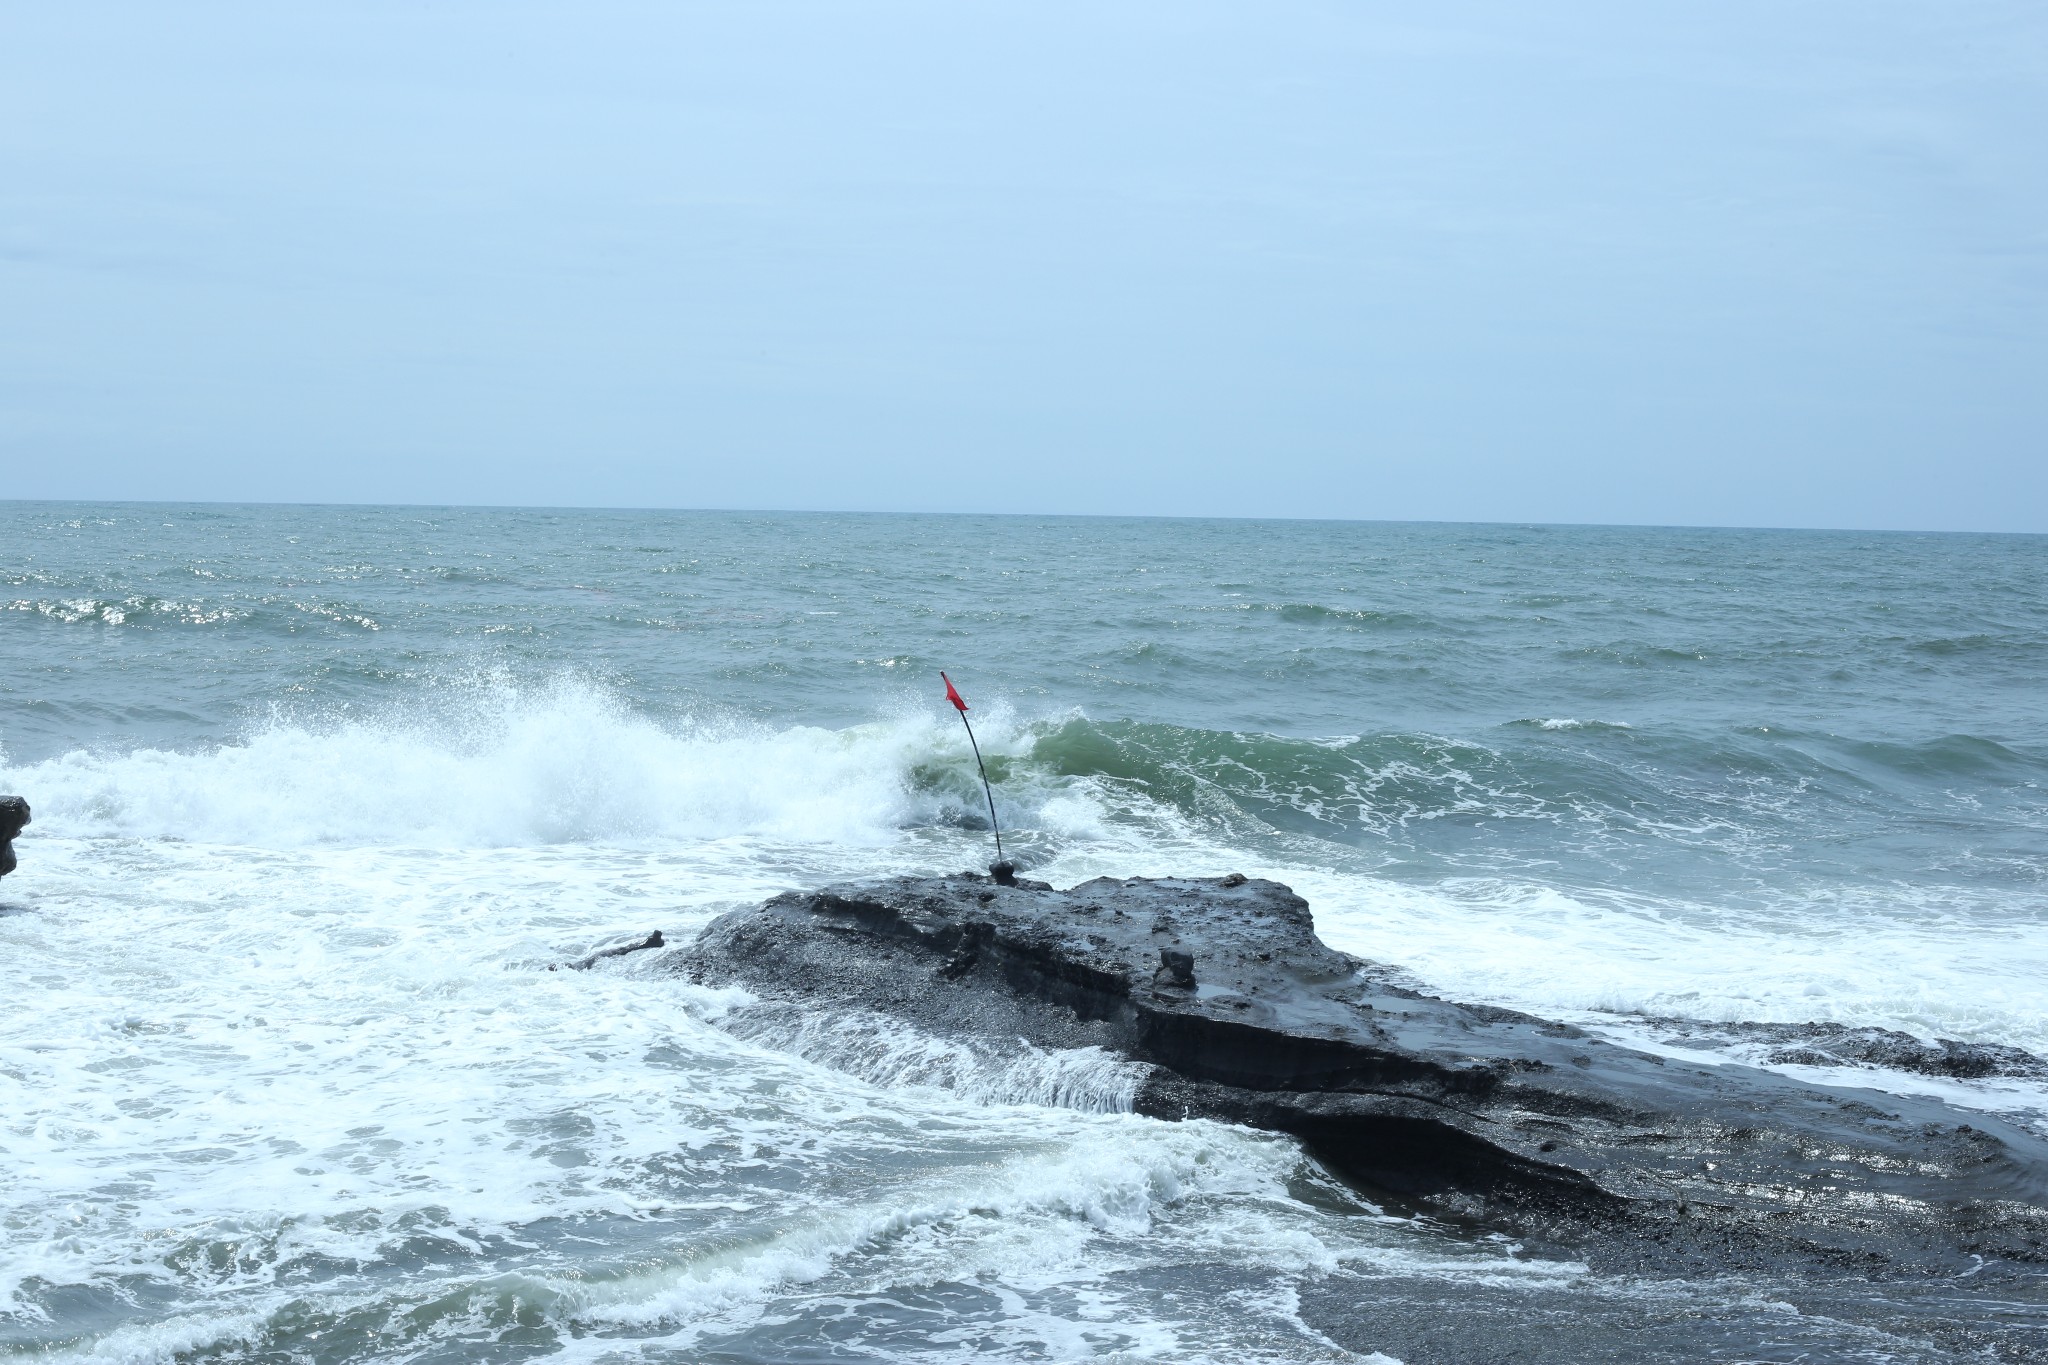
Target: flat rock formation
{"x": 1482, "y": 1116}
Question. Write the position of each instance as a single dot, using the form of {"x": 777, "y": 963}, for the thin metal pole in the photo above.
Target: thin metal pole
{"x": 986, "y": 790}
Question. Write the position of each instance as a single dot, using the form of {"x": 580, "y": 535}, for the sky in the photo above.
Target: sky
{"x": 1750, "y": 262}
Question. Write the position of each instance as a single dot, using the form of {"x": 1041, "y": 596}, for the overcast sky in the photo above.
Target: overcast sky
{"x": 1754, "y": 262}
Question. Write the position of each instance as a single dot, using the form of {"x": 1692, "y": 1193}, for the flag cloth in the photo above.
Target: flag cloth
{"x": 953, "y": 694}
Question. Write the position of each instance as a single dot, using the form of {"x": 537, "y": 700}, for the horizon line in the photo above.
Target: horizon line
{"x": 1529, "y": 523}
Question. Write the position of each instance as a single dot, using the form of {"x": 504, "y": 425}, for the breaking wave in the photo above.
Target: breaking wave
{"x": 471, "y": 762}
{"x": 493, "y": 766}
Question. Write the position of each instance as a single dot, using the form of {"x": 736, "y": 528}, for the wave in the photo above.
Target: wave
{"x": 885, "y": 1052}
{"x": 1339, "y": 787}
{"x": 1940, "y": 759}
{"x": 1588, "y": 781}
{"x": 132, "y": 610}
{"x": 481, "y": 762}
{"x": 1567, "y": 723}
{"x": 1311, "y": 613}
{"x": 486, "y": 764}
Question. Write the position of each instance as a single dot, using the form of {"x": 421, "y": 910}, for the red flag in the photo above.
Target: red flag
{"x": 953, "y": 693}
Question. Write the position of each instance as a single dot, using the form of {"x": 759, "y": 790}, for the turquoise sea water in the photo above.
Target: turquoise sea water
{"x": 319, "y": 792}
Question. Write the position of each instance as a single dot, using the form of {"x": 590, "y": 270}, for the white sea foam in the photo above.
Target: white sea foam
{"x": 1899, "y": 960}
{"x": 496, "y": 766}
{"x": 887, "y": 1052}
{"x": 241, "y": 1066}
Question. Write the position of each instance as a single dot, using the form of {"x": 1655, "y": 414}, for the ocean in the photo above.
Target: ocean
{"x": 321, "y": 794}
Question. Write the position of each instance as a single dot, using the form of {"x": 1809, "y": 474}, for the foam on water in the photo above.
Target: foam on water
{"x": 497, "y": 766}
{"x": 887, "y": 1052}
{"x": 1900, "y": 962}
{"x": 335, "y": 1092}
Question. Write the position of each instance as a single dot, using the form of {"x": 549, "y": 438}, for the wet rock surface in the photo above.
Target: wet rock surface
{"x": 1818, "y": 1044}
{"x": 1475, "y": 1115}
{"x": 14, "y": 817}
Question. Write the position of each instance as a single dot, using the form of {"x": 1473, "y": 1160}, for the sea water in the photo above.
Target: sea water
{"x": 323, "y": 795}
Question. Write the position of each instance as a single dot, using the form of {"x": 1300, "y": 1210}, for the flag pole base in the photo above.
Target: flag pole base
{"x": 1005, "y": 873}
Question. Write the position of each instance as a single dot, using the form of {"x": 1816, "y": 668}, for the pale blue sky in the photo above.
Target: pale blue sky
{"x": 1758, "y": 262}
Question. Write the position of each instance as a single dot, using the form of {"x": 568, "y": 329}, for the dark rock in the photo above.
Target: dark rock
{"x": 584, "y": 964}
{"x": 13, "y": 818}
{"x": 1176, "y": 970}
{"x": 1475, "y": 1113}
{"x": 1816, "y": 1044}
